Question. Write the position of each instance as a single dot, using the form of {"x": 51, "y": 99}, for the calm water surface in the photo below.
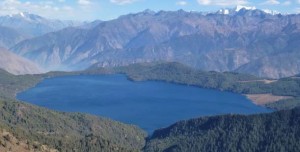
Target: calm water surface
{"x": 149, "y": 104}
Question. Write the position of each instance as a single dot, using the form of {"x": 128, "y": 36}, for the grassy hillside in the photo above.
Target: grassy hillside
{"x": 277, "y": 131}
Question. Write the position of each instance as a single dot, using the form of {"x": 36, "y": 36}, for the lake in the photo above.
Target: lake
{"x": 149, "y": 105}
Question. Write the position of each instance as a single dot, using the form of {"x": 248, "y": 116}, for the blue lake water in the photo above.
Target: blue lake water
{"x": 150, "y": 104}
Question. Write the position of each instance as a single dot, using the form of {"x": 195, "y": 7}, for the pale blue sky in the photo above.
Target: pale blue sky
{"x": 110, "y": 9}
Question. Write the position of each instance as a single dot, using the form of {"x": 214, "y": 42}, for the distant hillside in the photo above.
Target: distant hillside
{"x": 10, "y": 37}
{"x": 53, "y": 61}
{"x": 16, "y": 64}
{"x": 245, "y": 40}
{"x": 230, "y": 133}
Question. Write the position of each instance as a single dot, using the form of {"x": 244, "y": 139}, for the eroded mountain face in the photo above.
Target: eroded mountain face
{"x": 15, "y": 64}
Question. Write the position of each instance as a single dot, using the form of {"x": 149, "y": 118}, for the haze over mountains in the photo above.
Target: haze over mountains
{"x": 10, "y": 36}
{"x": 21, "y": 26}
{"x": 242, "y": 39}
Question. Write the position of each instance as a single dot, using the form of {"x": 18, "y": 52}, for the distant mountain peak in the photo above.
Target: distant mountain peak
{"x": 149, "y": 11}
{"x": 26, "y": 16}
{"x": 239, "y": 7}
{"x": 273, "y": 12}
{"x": 224, "y": 11}
{"x": 22, "y": 14}
{"x": 31, "y": 25}
{"x": 236, "y": 9}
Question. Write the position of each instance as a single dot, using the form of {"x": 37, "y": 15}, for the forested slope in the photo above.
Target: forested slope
{"x": 279, "y": 131}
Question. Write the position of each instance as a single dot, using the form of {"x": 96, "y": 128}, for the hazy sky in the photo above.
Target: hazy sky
{"x": 109, "y": 9}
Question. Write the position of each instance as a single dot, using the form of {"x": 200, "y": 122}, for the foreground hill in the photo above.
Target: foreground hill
{"x": 246, "y": 40}
{"x": 9, "y": 142}
{"x": 68, "y": 131}
{"x": 278, "y": 131}
{"x": 16, "y": 64}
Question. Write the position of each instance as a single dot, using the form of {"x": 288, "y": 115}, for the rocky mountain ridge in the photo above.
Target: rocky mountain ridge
{"x": 247, "y": 41}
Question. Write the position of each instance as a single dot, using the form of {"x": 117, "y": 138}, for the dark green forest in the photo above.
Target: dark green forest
{"x": 68, "y": 131}
{"x": 278, "y": 131}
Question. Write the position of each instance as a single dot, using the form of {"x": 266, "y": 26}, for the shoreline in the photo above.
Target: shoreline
{"x": 267, "y": 98}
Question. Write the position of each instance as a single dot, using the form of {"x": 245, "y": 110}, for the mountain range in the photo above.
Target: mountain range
{"x": 244, "y": 40}
{"x": 34, "y": 25}
{"x": 17, "y": 27}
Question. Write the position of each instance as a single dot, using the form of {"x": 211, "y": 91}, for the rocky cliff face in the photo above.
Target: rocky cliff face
{"x": 243, "y": 40}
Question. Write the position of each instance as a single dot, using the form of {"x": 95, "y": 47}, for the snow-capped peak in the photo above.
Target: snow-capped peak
{"x": 224, "y": 11}
{"x": 234, "y": 10}
{"x": 22, "y": 14}
{"x": 26, "y": 16}
{"x": 239, "y": 7}
{"x": 272, "y": 12}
